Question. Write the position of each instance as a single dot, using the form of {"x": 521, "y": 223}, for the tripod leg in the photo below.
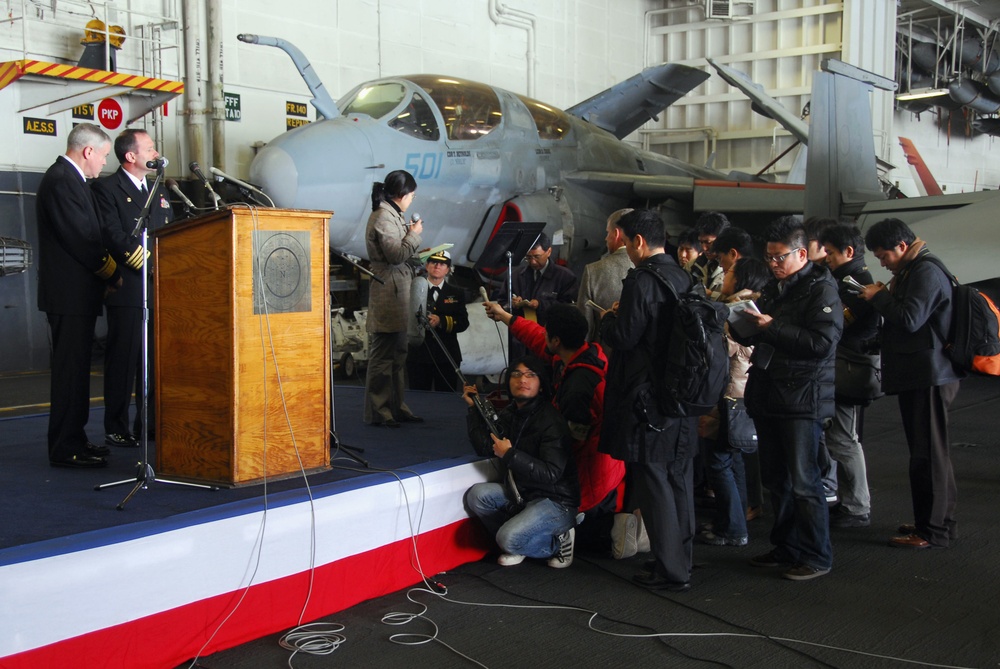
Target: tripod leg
{"x": 144, "y": 475}
{"x": 350, "y": 451}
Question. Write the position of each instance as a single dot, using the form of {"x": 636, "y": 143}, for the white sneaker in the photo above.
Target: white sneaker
{"x": 509, "y": 559}
{"x": 564, "y": 556}
{"x": 623, "y": 536}
{"x": 641, "y": 538}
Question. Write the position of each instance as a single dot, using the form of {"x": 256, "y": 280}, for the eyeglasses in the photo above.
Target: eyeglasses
{"x": 777, "y": 260}
{"x": 516, "y": 374}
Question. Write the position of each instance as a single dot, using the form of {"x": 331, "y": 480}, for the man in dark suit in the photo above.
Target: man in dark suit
{"x": 74, "y": 272}
{"x": 916, "y": 309}
{"x": 427, "y": 366}
{"x": 539, "y": 283}
{"x": 120, "y": 198}
{"x": 536, "y": 285}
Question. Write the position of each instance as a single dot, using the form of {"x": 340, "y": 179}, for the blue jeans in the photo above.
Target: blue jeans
{"x": 533, "y": 531}
{"x": 789, "y": 458}
{"x": 728, "y": 477}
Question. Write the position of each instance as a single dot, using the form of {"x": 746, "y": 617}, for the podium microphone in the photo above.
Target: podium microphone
{"x": 242, "y": 184}
{"x": 188, "y": 204}
{"x": 157, "y": 164}
{"x": 196, "y": 169}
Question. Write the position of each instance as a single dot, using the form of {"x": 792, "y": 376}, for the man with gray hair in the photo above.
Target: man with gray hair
{"x": 74, "y": 272}
{"x": 601, "y": 283}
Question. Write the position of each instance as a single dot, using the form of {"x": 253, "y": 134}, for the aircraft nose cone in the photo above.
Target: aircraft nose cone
{"x": 327, "y": 166}
{"x": 277, "y": 175}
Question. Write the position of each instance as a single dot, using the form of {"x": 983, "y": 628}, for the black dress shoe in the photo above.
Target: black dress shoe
{"x": 94, "y": 449}
{"x": 412, "y": 419}
{"x": 654, "y": 581}
{"x": 123, "y": 440}
{"x": 80, "y": 462}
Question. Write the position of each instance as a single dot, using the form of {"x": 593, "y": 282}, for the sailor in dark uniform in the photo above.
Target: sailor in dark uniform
{"x": 427, "y": 366}
{"x": 74, "y": 272}
{"x": 120, "y": 198}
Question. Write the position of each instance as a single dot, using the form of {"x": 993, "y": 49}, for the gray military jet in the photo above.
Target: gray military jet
{"x": 483, "y": 156}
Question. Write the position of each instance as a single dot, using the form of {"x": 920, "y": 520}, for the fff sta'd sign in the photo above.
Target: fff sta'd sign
{"x": 109, "y": 113}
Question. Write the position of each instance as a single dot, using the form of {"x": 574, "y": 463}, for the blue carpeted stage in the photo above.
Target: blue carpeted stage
{"x": 84, "y": 584}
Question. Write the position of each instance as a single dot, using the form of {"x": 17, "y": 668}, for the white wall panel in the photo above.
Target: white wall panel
{"x": 779, "y": 44}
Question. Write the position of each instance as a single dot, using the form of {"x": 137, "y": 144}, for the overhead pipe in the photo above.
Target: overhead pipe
{"x": 976, "y": 56}
{"x": 974, "y": 95}
{"x": 502, "y": 15}
{"x": 194, "y": 91}
{"x": 216, "y": 79}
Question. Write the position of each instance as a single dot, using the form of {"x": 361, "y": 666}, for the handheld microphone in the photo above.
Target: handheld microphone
{"x": 196, "y": 169}
{"x": 243, "y": 184}
{"x": 172, "y": 185}
{"x": 157, "y": 164}
{"x": 483, "y": 294}
{"x": 415, "y": 218}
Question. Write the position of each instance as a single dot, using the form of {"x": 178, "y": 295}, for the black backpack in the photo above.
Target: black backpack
{"x": 973, "y": 341}
{"x": 690, "y": 377}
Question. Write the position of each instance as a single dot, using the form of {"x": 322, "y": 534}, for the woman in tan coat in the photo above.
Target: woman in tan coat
{"x": 390, "y": 241}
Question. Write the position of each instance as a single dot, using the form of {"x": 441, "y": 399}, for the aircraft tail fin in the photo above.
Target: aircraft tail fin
{"x": 926, "y": 183}
{"x": 841, "y": 162}
{"x": 624, "y": 107}
{"x": 841, "y": 168}
{"x": 322, "y": 101}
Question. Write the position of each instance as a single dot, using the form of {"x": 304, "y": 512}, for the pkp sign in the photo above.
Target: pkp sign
{"x": 110, "y": 114}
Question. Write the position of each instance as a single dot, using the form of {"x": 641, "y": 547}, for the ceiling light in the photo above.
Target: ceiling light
{"x": 921, "y": 93}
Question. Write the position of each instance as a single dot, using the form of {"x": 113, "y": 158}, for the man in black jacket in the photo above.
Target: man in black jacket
{"x": 532, "y": 511}
{"x": 790, "y": 394}
{"x": 74, "y": 271}
{"x": 578, "y": 370}
{"x": 120, "y": 198}
{"x": 658, "y": 451}
{"x": 917, "y": 309}
{"x": 845, "y": 256}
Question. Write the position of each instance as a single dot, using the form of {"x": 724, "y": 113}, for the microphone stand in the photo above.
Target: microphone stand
{"x": 357, "y": 266}
{"x": 353, "y": 452}
{"x": 144, "y": 474}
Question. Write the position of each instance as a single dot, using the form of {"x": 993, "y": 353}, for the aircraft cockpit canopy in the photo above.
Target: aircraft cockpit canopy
{"x": 551, "y": 123}
{"x": 470, "y": 110}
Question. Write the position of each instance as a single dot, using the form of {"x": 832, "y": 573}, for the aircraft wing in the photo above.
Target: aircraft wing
{"x": 959, "y": 228}
{"x": 703, "y": 194}
{"x": 624, "y": 107}
{"x": 763, "y": 102}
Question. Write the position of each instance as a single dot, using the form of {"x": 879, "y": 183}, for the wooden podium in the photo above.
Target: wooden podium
{"x": 242, "y": 354}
